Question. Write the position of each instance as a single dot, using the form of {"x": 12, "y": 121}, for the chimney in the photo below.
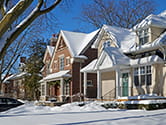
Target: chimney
{"x": 53, "y": 40}
{"x": 22, "y": 59}
{"x": 22, "y": 64}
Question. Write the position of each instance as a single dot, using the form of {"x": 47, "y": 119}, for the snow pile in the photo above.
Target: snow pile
{"x": 143, "y": 99}
{"x": 30, "y": 108}
{"x": 146, "y": 96}
{"x": 89, "y": 114}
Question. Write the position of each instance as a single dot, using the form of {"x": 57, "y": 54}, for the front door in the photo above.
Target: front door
{"x": 125, "y": 81}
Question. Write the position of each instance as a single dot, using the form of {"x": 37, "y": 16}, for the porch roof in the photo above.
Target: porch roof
{"x": 110, "y": 58}
{"x": 146, "y": 60}
{"x": 54, "y": 76}
{"x": 90, "y": 67}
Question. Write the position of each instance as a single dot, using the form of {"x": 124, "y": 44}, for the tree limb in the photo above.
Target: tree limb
{"x": 12, "y": 15}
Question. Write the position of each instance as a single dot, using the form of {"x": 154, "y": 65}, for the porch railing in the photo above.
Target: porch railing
{"x": 109, "y": 95}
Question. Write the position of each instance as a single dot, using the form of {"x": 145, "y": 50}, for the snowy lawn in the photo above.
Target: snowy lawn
{"x": 71, "y": 114}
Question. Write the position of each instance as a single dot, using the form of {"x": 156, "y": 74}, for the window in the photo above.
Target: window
{"x": 66, "y": 89}
{"x": 67, "y": 61}
{"x": 149, "y": 75}
{"x": 142, "y": 75}
{"x": 143, "y": 36}
{"x": 61, "y": 63}
{"x": 136, "y": 77}
{"x": 43, "y": 90}
{"x": 89, "y": 83}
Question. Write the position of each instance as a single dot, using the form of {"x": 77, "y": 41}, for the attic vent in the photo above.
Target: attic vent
{"x": 106, "y": 44}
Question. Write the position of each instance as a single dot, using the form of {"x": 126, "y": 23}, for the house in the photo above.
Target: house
{"x": 13, "y": 85}
{"x": 62, "y": 79}
{"x": 130, "y": 62}
{"x": 7, "y": 86}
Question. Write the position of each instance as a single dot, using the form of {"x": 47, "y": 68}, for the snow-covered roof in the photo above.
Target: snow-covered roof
{"x": 146, "y": 60}
{"x": 8, "y": 78}
{"x": 124, "y": 38}
{"x": 53, "y": 76}
{"x": 18, "y": 75}
{"x": 76, "y": 41}
{"x": 50, "y": 50}
{"x": 110, "y": 57}
{"x": 160, "y": 41}
{"x": 90, "y": 67}
{"x": 153, "y": 20}
{"x": 81, "y": 57}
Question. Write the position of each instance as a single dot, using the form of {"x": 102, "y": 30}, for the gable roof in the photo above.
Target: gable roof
{"x": 111, "y": 57}
{"x": 49, "y": 50}
{"x": 76, "y": 42}
{"x": 123, "y": 38}
{"x": 153, "y": 20}
{"x": 90, "y": 67}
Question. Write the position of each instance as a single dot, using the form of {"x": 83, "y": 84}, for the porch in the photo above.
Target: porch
{"x": 56, "y": 87}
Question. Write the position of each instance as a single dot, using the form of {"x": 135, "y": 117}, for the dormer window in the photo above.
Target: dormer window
{"x": 143, "y": 36}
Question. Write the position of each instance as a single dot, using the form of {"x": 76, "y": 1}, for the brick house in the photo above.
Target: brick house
{"x": 13, "y": 85}
{"x": 61, "y": 74}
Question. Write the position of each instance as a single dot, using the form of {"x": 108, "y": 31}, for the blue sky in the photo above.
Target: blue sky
{"x": 69, "y": 22}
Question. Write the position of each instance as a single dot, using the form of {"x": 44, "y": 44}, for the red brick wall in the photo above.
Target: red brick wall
{"x": 61, "y": 51}
{"x": 75, "y": 78}
{"x": 92, "y": 90}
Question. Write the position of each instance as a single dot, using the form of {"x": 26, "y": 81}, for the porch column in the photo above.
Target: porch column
{"x": 85, "y": 84}
{"x": 61, "y": 89}
{"x": 117, "y": 82}
{"x": 45, "y": 84}
{"x": 98, "y": 84}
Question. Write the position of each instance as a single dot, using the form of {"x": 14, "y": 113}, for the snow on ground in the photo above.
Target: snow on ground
{"x": 72, "y": 114}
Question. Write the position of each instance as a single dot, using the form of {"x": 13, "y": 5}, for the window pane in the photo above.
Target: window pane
{"x": 149, "y": 79}
{"x": 142, "y": 70}
{"x": 146, "y": 39}
{"x": 136, "y": 80}
{"x": 141, "y": 40}
{"x": 89, "y": 83}
{"x": 61, "y": 63}
{"x": 142, "y": 80}
{"x": 148, "y": 69}
{"x": 146, "y": 32}
{"x": 135, "y": 71}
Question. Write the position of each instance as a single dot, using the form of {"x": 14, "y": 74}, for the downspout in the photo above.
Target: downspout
{"x": 163, "y": 51}
{"x": 80, "y": 82}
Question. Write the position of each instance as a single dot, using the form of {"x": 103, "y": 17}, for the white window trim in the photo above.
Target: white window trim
{"x": 143, "y": 35}
{"x": 67, "y": 58}
{"x": 91, "y": 84}
{"x": 59, "y": 57}
{"x": 138, "y": 66}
